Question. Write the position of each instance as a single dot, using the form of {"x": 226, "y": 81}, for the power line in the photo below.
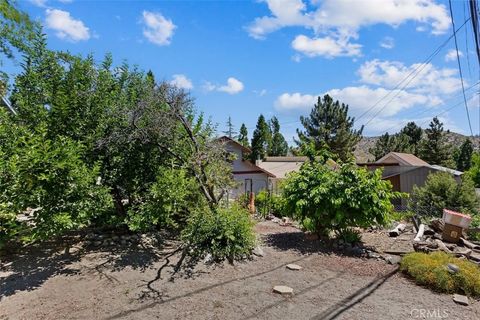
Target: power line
{"x": 429, "y": 109}
{"x": 460, "y": 67}
{"x": 413, "y": 73}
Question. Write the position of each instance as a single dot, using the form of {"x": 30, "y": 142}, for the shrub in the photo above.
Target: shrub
{"x": 325, "y": 199}
{"x": 168, "y": 201}
{"x": 442, "y": 191}
{"x": 268, "y": 202}
{"x": 223, "y": 233}
{"x": 431, "y": 270}
{"x": 48, "y": 175}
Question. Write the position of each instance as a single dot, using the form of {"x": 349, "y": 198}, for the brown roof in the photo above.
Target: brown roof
{"x": 230, "y": 140}
{"x": 404, "y": 159}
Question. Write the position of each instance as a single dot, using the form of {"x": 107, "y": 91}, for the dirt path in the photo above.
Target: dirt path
{"x": 111, "y": 285}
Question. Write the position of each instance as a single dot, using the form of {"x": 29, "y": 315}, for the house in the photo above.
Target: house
{"x": 405, "y": 170}
{"x": 264, "y": 174}
{"x": 249, "y": 177}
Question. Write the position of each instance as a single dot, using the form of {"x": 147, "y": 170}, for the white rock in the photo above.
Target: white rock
{"x": 294, "y": 267}
{"x": 460, "y": 299}
{"x": 258, "y": 252}
{"x": 283, "y": 290}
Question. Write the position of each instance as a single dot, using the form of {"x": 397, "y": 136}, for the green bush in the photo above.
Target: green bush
{"x": 325, "y": 199}
{"x": 268, "y": 202}
{"x": 442, "y": 191}
{"x": 167, "y": 203}
{"x": 223, "y": 233}
{"x": 431, "y": 270}
{"x": 49, "y": 175}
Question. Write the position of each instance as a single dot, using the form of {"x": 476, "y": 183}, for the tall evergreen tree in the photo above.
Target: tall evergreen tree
{"x": 390, "y": 143}
{"x": 329, "y": 125}
{"x": 278, "y": 146}
{"x": 434, "y": 149}
{"x": 414, "y": 134}
{"x": 463, "y": 157}
{"x": 243, "y": 136}
{"x": 230, "y": 132}
{"x": 260, "y": 140}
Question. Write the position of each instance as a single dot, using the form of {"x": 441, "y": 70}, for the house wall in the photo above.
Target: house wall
{"x": 249, "y": 182}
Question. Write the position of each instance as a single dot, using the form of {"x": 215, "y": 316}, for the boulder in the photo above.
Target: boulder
{"x": 453, "y": 268}
{"x": 393, "y": 259}
{"x": 258, "y": 252}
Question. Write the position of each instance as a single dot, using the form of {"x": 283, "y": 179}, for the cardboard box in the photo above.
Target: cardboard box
{"x": 451, "y": 233}
{"x": 456, "y": 218}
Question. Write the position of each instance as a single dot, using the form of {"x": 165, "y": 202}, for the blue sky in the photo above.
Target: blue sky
{"x": 243, "y": 58}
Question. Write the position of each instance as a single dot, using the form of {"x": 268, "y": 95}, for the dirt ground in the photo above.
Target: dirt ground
{"x": 112, "y": 284}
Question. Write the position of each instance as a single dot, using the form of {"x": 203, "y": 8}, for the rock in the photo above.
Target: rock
{"x": 258, "y": 252}
{"x": 276, "y": 220}
{"x": 462, "y": 251}
{"x": 461, "y": 299}
{"x": 97, "y": 243}
{"x": 123, "y": 242}
{"x": 453, "y": 268}
{"x": 372, "y": 255}
{"x": 393, "y": 259}
{"x": 105, "y": 243}
{"x": 475, "y": 256}
{"x": 283, "y": 290}
{"x": 114, "y": 237}
{"x": 208, "y": 259}
{"x": 294, "y": 267}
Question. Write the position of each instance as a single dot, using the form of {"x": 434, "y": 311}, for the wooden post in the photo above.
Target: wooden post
{"x": 251, "y": 205}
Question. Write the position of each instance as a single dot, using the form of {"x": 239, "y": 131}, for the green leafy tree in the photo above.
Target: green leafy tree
{"x": 434, "y": 148}
{"x": 243, "y": 136}
{"x": 414, "y": 134}
{"x": 442, "y": 191}
{"x": 463, "y": 156}
{"x": 329, "y": 125}
{"x": 16, "y": 32}
{"x": 261, "y": 139}
{"x": 390, "y": 143}
{"x": 278, "y": 145}
{"x": 324, "y": 199}
{"x": 474, "y": 171}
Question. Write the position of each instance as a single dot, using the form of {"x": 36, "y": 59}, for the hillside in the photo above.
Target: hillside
{"x": 363, "y": 155}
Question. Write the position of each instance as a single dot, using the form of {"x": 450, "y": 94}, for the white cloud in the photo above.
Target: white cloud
{"x": 359, "y": 99}
{"x": 452, "y": 55}
{"x": 328, "y": 47}
{"x": 295, "y": 102}
{"x": 39, "y": 3}
{"x": 233, "y": 86}
{"x": 387, "y": 43}
{"x": 334, "y": 20}
{"x": 428, "y": 78}
{"x": 363, "y": 98}
{"x": 158, "y": 29}
{"x": 66, "y": 26}
{"x": 181, "y": 81}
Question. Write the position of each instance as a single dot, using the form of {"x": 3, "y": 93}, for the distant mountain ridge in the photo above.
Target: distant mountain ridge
{"x": 362, "y": 153}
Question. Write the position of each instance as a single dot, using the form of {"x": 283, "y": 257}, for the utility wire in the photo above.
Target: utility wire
{"x": 426, "y": 61}
{"x": 460, "y": 67}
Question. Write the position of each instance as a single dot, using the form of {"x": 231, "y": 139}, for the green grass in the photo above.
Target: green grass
{"x": 431, "y": 270}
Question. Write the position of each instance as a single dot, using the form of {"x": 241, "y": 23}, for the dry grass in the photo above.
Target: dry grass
{"x": 431, "y": 270}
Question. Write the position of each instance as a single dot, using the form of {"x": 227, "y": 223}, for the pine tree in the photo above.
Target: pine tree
{"x": 414, "y": 134}
{"x": 434, "y": 149}
{"x": 390, "y": 143}
{"x": 243, "y": 136}
{"x": 230, "y": 132}
{"x": 260, "y": 140}
{"x": 278, "y": 146}
{"x": 463, "y": 157}
{"x": 330, "y": 126}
